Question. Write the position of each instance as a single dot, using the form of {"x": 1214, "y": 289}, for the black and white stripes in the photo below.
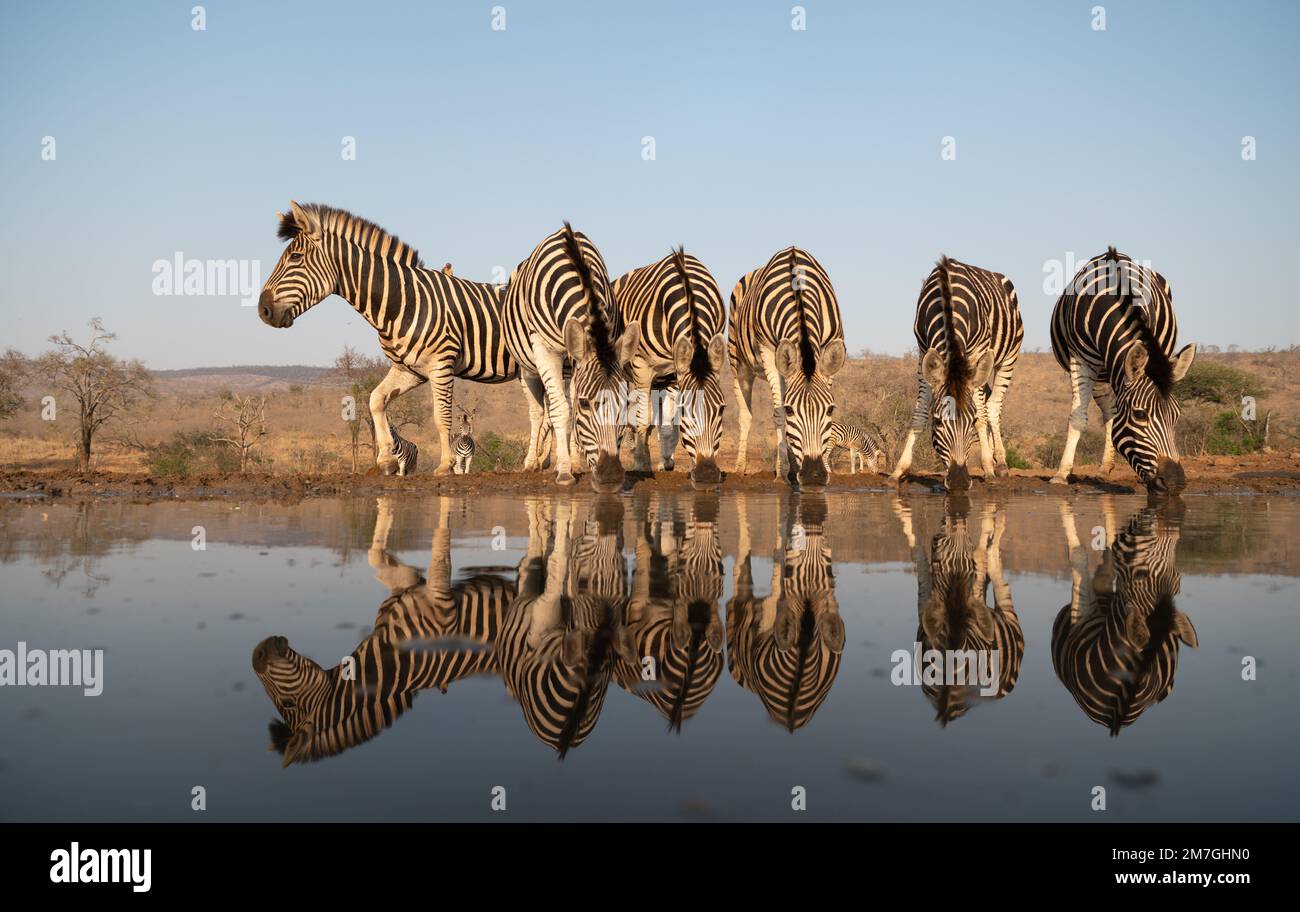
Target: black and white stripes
{"x": 1114, "y": 331}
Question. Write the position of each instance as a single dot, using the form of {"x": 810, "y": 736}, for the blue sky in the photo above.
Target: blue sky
{"x": 473, "y": 144}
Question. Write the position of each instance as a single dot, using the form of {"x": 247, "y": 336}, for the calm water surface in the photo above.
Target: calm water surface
{"x": 655, "y": 656}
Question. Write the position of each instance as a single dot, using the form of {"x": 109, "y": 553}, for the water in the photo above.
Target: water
{"x": 753, "y": 700}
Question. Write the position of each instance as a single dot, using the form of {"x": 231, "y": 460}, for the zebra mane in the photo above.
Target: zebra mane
{"x": 1159, "y": 369}
{"x": 807, "y": 353}
{"x": 959, "y": 369}
{"x": 353, "y": 228}
{"x": 700, "y": 366}
{"x": 600, "y": 330}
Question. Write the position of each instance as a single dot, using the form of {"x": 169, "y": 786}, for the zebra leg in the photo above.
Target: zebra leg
{"x": 440, "y": 382}
{"x": 642, "y": 378}
{"x": 743, "y": 379}
{"x": 982, "y": 429}
{"x": 536, "y": 395}
{"x": 397, "y": 381}
{"x": 1105, "y": 399}
{"x": 668, "y": 428}
{"x": 776, "y": 385}
{"x": 920, "y": 421}
{"x": 1081, "y": 381}
{"x": 1001, "y": 383}
{"x": 550, "y": 364}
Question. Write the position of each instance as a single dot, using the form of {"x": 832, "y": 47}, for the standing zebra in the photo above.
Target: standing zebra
{"x": 433, "y": 327}
{"x": 953, "y": 572}
{"x": 559, "y": 304}
{"x": 1115, "y": 646}
{"x": 406, "y": 453}
{"x": 865, "y": 450}
{"x": 429, "y": 633}
{"x": 1114, "y": 331}
{"x": 785, "y": 323}
{"x": 968, "y": 331}
{"x": 463, "y": 445}
{"x": 786, "y": 647}
{"x": 679, "y": 308}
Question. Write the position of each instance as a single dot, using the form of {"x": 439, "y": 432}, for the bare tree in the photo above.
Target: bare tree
{"x": 13, "y": 368}
{"x": 247, "y": 415}
{"x": 104, "y": 388}
{"x": 360, "y": 375}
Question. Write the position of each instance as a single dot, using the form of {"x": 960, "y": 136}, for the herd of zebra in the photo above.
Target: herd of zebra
{"x": 590, "y": 353}
{"x": 572, "y": 619}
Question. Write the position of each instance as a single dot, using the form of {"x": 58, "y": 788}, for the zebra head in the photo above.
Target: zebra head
{"x": 955, "y": 381}
{"x": 809, "y": 403}
{"x": 306, "y": 273}
{"x": 700, "y": 405}
{"x": 1146, "y": 414}
{"x": 297, "y": 686}
{"x": 600, "y": 383}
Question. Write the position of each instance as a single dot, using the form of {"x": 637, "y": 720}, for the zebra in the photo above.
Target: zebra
{"x": 429, "y": 632}
{"x": 785, "y": 324}
{"x": 968, "y": 331}
{"x": 558, "y": 642}
{"x": 463, "y": 444}
{"x": 673, "y": 612}
{"x": 953, "y": 614}
{"x": 865, "y": 449}
{"x": 432, "y": 327}
{"x": 679, "y": 308}
{"x": 406, "y": 453}
{"x": 786, "y": 647}
{"x": 1114, "y": 331}
{"x": 1115, "y": 646}
{"x": 558, "y": 303}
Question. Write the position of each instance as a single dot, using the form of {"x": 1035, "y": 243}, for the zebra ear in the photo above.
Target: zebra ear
{"x": 683, "y": 354}
{"x": 983, "y": 374}
{"x": 830, "y": 626}
{"x": 629, "y": 343}
{"x": 1183, "y": 361}
{"x": 576, "y": 341}
{"x": 306, "y": 220}
{"x": 1135, "y": 362}
{"x": 933, "y": 370}
{"x": 1183, "y": 627}
{"x": 787, "y": 358}
{"x": 296, "y": 750}
{"x": 717, "y": 351}
{"x": 832, "y": 358}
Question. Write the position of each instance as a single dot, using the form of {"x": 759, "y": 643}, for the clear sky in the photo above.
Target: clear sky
{"x": 473, "y": 144}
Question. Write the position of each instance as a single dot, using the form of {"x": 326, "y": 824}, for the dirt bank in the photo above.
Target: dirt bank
{"x": 1256, "y": 474}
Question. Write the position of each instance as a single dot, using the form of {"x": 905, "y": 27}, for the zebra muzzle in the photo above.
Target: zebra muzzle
{"x": 267, "y": 651}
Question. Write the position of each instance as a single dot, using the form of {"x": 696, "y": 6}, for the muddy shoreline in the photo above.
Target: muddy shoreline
{"x": 1232, "y": 475}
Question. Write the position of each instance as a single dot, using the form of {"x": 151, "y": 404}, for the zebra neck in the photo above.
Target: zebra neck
{"x": 371, "y": 284}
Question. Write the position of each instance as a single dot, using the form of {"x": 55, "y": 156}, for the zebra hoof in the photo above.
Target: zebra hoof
{"x": 442, "y": 470}
{"x": 565, "y": 478}
{"x": 388, "y": 465}
{"x": 1059, "y": 480}
{"x": 1001, "y": 470}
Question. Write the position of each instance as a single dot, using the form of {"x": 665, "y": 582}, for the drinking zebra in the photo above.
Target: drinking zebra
{"x": 679, "y": 308}
{"x": 968, "y": 331}
{"x": 433, "y": 327}
{"x": 865, "y": 449}
{"x": 463, "y": 445}
{"x": 1115, "y": 646}
{"x": 429, "y": 633}
{"x": 785, "y": 323}
{"x": 786, "y": 647}
{"x": 953, "y": 572}
{"x": 1115, "y": 332}
{"x": 559, "y": 303}
{"x": 672, "y": 615}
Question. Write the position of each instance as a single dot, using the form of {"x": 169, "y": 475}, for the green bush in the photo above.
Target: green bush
{"x": 1015, "y": 460}
{"x": 494, "y": 453}
{"x": 1209, "y": 381}
{"x": 1230, "y": 436}
{"x": 1088, "y": 452}
{"x": 174, "y": 458}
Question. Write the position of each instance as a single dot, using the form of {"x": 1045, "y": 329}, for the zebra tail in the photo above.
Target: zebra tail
{"x": 601, "y": 331}
{"x": 679, "y": 260}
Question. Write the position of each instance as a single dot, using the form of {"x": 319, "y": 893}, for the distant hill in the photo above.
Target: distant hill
{"x": 239, "y": 378}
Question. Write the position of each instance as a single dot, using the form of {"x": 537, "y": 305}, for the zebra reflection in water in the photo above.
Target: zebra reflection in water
{"x": 428, "y": 633}
{"x": 786, "y": 646}
{"x": 673, "y": 612}
{"x": 1115, "y": 646}
{"x": 953, "y": 615}
{"x": 565, "y": 630}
